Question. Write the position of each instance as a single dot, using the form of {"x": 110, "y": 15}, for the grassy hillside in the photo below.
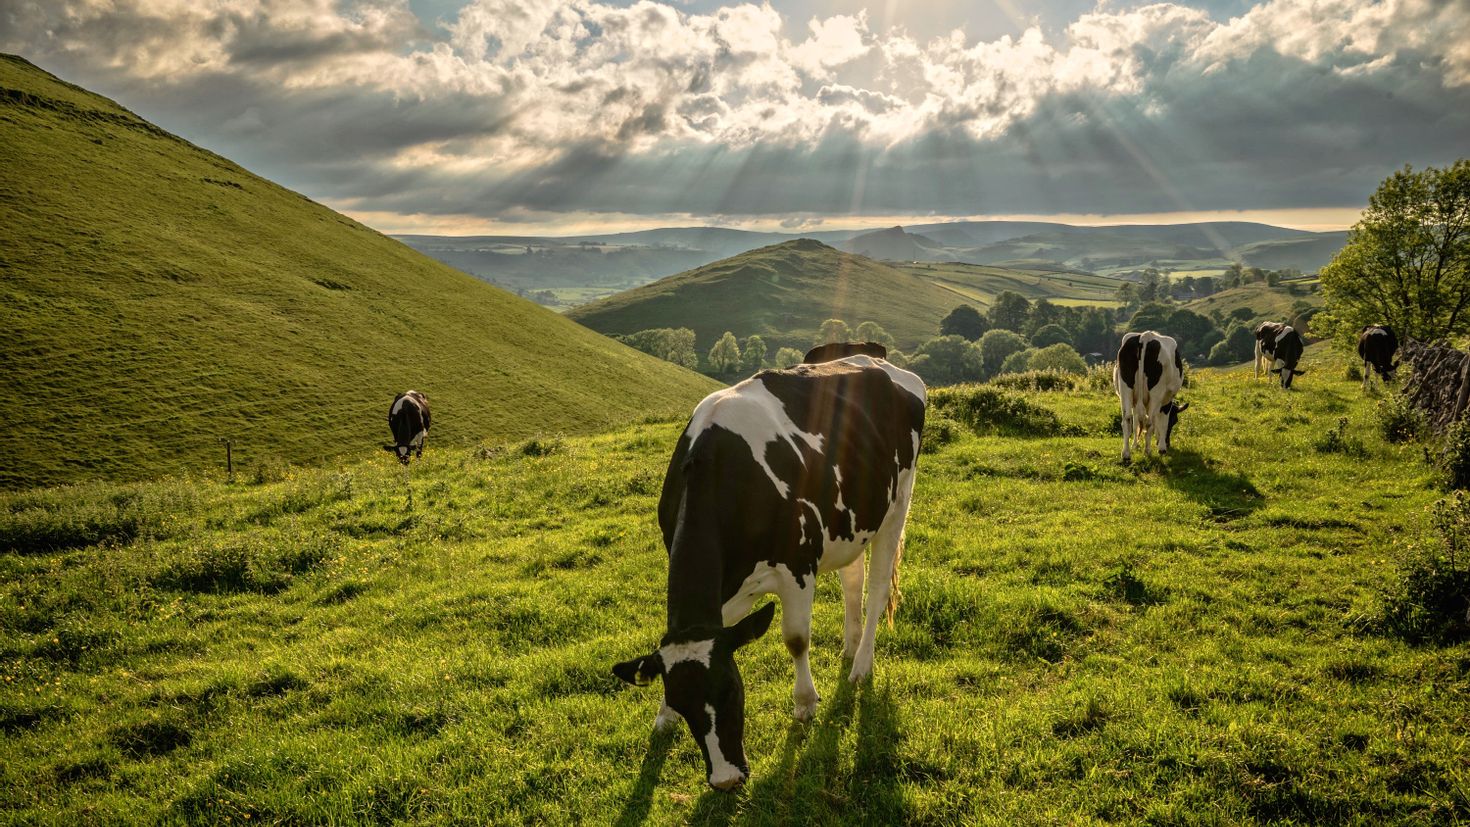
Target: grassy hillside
{"x": 1189, "y": 641}
{"x": 1265, "y": 302}
{"x": 158, "y": 297}
{"x": 784, "y": 292}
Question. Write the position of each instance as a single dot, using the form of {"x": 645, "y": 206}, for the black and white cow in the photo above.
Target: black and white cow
{"x": 408, "y": 417}
{"x": 1147, "y": 376}
{"x": 1377, "y": 346}
{"x": 1286, "y": 355}
{"x": 840, "y": 350}
{"x": 775, "y": 480}
{"x": 1266, "y": 333}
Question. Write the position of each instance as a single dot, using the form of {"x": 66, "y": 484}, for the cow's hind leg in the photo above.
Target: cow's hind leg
{"x": 1128, "y": 428}
{"x": 852, "y": 606}
{"x": 883, "y": 555}
{"x": 796, "y": 630}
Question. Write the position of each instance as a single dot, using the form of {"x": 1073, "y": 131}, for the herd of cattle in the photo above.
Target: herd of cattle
{"x": 792, "y": 473}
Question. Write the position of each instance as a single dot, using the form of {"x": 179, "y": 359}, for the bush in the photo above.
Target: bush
{"x": 1050, "y": 334}
{"x": 1018, "y": 362}
{"x": 945, "y": 360}
{"x": 1100, "y": 377}
{"x": 1455, "y": 458}
{"x": 1399, "y": 421}
{"x": 1430, "y": 597}
{"x": 1058, "y": 357}
{"x": 1337, "y": 441}
{"x": 939, "y": 431}
{"x": 996, "y": 346}
{"x": 1035, "y": 380}
{"x": 989, "y": 410}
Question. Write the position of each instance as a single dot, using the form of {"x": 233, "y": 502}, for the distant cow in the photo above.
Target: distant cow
{"x": 839, "y": 350}
{"x": 1286, "y": 352}
{"x": 1147, "y": 376}
{"x": 1266, "y": 333}
{"x": 775, "y": 480}
{"x": 408, "y": 417}
{"x": 1376, "y": 347}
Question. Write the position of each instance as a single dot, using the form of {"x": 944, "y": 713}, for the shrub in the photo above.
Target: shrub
{"x": 945, "y": 360}
{"x": 988, "y": 410}
{"x": 1455, "y": 458}
{"x": 1035, "y": 380}
{"x": 1398, "y": 420}
{"x": 1430, "y": 597}
{"x": 1337, "y": 441}
{"x": 788, "y": 357}
{"x": 540, "y": 446}
{"x": 939, "y": 431}
{"x": 996, "y": 346}
{"x": 1018, "y": 362}
{"x": 1058, "y": 357}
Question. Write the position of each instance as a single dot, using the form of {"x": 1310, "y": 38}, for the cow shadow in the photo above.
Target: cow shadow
{"x": 640, "y": 800}
{"x": 809, "y": 780}
{"x": 1228, "y": 496}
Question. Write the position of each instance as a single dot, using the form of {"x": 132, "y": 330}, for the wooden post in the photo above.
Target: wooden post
{"x": 229, "y": 459}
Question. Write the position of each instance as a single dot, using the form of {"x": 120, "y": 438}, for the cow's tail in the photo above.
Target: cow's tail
{"x": 894, "y": 595}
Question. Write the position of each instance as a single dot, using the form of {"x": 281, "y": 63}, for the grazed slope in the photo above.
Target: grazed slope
{"x": 784, "y": 292}
{"x": 158, "y": 297}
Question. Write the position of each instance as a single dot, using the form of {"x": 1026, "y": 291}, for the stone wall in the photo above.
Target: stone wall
{"x": 1438, "y": 382}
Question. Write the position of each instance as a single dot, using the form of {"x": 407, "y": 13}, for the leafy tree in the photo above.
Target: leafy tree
{"x": 1234, "y": 276}
{"x": 897, "y": 358}
{"x": 1407, "y": 261}
{"x": 753, "y": 354}
{"x": 1239, "y": 345}
{"x": 874, "y": 332}
{"x": 1152, "y": 316}
{"x": 787, "y": 357}
{"x": 945, "y": 360}
{"x": 964, "y": 321}
{"x": 1273, "y": 278}
{"x": 1049, "y": 335}
{"x": 1195, "y": 333}
{"x": 1152, "y": 287}
{"x": 724, "y": 357}
{"x": 669, "y": 344}
{"x": 1010, "y": 311}
{"x": 1059, "y": 357}
{"x": 995, "y": 346}
{"x": 1018, "y": 362}
{"x": 1043, "y": 313}
{"x": 1094, "y": 332}
{"x": 1242, "y": 314}
{"x": 833, "y": 330}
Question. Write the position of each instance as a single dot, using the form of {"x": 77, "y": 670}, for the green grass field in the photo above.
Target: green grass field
{"x": 1187, "y": 641}
{"x": 158, "y": 298}
{"x": 1266, "y": 302}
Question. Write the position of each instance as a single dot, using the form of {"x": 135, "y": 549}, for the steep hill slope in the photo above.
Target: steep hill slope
{"x": 893, "y": 244}
{"x": 783, "y": 292}
{"x": 157, "y": 298}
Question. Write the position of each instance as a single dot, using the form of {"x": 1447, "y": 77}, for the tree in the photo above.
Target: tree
{"x": 1059, "y": 357}
{"x": 833, "y": 330}
{"x": 1043, "y": 313}
{"x": 787, "y": 357}
{"x": 1094, "y": 332}
{"x": 724, "y": 357}
{"x": 1049, "y": 335}
{"x": 753, "y": 354}
{"x": 667, "y": 343}
{"x": 1407, "y": 261}
{"x": 1195, "y": 333}
{"x": 945, "y": 360}
{"x": 964, "y": 321}
{"x": 1234, "y": 274}
{"x": 995, "y": 346}
{"x": 1018, "y": 362}
{"x": 1239, "y": 345}
{"x": 874, "y": 332}
{"x": 1152, "y": 316}
{"x": 1010, "y": 311}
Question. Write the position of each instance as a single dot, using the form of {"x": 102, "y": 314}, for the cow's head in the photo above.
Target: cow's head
{"x": 401, "y": 450}
{"x": 1171, "y": 411}
{"x": 702, "y": 684}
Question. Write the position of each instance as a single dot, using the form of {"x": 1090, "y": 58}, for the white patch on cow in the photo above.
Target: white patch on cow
{"x": 722, "y": 772}
{"x": 402, "y": 450}
{"x": 1282, "y": 335}
{"x": 398, "y": 405}
{"x": 837, "y": 478}
{"x": 910, "y": 382}
{"x": 751, "y": 411}
{"x": 695, "y": 650}
{"x": 1278, "y": 365}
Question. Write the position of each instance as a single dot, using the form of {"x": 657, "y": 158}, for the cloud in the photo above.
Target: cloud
{"x": 582, "y": 106}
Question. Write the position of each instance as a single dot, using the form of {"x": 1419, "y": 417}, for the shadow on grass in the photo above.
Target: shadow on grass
{"x": 809, "y": 783}
{"x": 1227, "y": 496}
{"x": 640, "y": 800}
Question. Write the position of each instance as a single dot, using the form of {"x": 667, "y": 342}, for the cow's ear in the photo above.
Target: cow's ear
{"x": 1181, "y": 407}
{"x": 640, "y": 671}
{"x": 750, "y": 627}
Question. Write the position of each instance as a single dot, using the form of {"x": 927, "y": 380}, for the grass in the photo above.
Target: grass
{"x": 1263, "y": 301}
{"x": 159, "y": 298}
{"x": 1191, "y": 640}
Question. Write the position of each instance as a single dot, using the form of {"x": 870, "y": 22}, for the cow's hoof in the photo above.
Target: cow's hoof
{"x": 1127, "y": 460}
{"x": 663, "y": 722}
{"x": 860, "y": 673}
{"x": 805, "y": 711}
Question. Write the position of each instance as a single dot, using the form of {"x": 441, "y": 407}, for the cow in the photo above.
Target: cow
{"x": 1286, "y": 354}
{"x": 1377, "y": 346}
{"x": 408, "y": 417}
{"x": 838, "y": 350}
{"x": 787, "y": 475}
{"x": 1266, "y": 333}
{"x": 1147, "y": 376}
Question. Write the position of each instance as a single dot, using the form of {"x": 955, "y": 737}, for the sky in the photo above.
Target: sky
{"x": 569, "y": 116}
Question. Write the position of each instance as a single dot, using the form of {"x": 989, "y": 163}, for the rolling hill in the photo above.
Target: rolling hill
{"x": 785, "y": 291}
{"x": 159, "y": 298}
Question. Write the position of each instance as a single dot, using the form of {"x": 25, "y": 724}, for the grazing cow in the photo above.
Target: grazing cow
{"x": 1147, "y": 376}
{"x": 775, "y": 480}
{"x": 408, "y": 417}
{"x": 839, "y": 350}
{"x": 1376, "y": 347}
{"x": 1266, "y": 333}
{"x": 1285, "y": 355}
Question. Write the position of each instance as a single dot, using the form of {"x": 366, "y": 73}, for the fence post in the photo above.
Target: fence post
{"x": 229, "y": 459}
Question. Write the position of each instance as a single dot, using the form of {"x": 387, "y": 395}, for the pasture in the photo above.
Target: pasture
{"x": 1185, "y": 641}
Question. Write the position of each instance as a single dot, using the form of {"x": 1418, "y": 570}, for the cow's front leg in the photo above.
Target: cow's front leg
{"x": 852, "y": 606}
{"x": 665, "y": 718}
{"x": 796, "y": 630}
